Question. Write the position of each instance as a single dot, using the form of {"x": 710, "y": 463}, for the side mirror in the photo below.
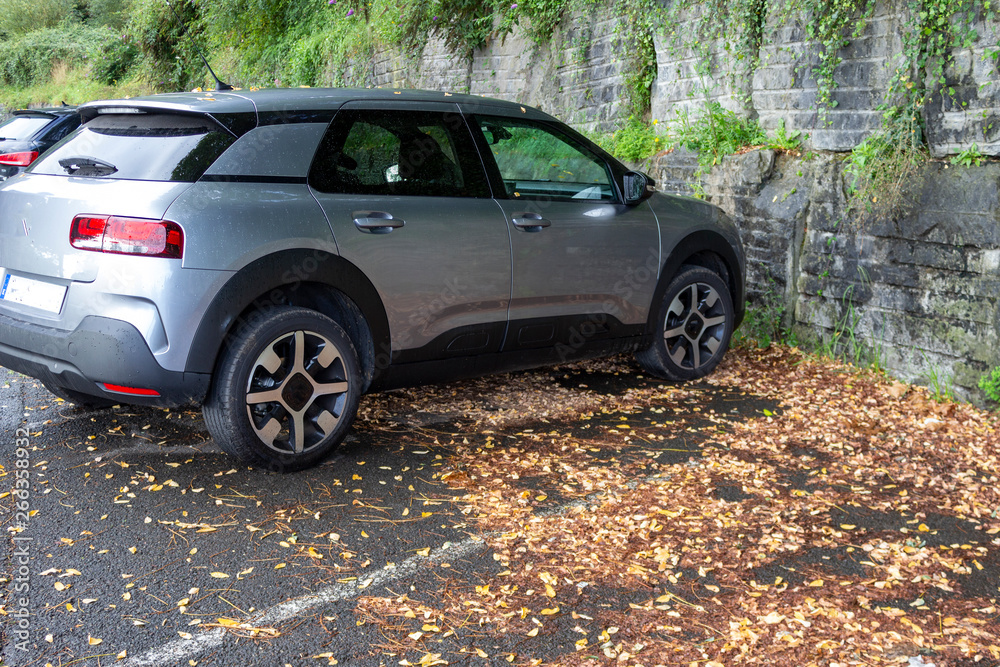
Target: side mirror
{"x": 637, "y": 187}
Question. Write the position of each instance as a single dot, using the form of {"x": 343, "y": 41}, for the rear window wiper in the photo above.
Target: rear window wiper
{"x": 87, "y": 166}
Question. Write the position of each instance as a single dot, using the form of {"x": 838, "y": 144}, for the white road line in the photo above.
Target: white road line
{"x": 174, "y": 652}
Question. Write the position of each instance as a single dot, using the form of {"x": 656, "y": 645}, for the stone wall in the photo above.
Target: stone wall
{"x": 919, "y": 296}
{"x": 577, "y": 76}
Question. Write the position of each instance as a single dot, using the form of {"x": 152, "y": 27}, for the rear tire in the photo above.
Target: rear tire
{"x": 285, "y": 390}
{"x": 695, "y": 325}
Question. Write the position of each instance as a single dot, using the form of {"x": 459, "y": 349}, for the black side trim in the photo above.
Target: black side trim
{"x": 460, "y": 342}
{"x": 448, "y": 370}
{"x": 225, "y": 178}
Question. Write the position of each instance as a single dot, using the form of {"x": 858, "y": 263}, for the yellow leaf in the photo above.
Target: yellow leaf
{"x": 817, "y": 583}
{"x": 183, "y": 602}
{"x": 93, "y": 641}
{"x": 774, "y": 617}
{"x": 481, "y": 653}
{"x": 430, "y": 628}
{"x": 228, "y": 622}
{"x": 185, "y": 635}
{"x": 60, "y": 586}
{"x": 424, "y": 552}
{"x": 122, "y": 655}
{"x": 923, "y": 528}
{"x": 533, "y": 632}
{"x": 280, "y": 565}
{"x": 415, "y": 636}
{"x": 550, "y": 612}
{"x": 218, "y": 575}
{"x": 848, "y": 526}
{"x": 551, "y": 592}
{"x": 356, "y": 477}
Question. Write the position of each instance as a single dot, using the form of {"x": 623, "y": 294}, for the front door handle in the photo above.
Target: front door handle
{"x": 376, "y": 222}
{"x": 530, "y": 222}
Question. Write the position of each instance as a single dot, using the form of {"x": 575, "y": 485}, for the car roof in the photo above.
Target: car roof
{"x": 291, "y": 100}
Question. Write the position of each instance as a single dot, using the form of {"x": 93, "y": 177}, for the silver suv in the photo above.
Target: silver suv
{"x": 274, "y": 254}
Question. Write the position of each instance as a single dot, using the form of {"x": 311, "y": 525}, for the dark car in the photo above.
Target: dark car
{"x": 30, "y": 132}
{"x": 272, "y": 255}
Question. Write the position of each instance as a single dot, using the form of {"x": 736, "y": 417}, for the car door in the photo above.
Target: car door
{"x": 409, "y": 204}
{"x": 584, "y": 265}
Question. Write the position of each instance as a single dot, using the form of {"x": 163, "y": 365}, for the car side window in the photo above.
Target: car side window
{"x": 413, "y": 153}
{"x": 537, "y": 161}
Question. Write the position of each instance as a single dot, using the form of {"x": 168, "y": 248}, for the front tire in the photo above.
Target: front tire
{"x": 695, "y": 325}
{"x": 285, "y": 391}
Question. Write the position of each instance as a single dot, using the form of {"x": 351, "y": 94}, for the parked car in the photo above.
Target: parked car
{"x": 274, "y": 254}
{"x": 30, "y": 132}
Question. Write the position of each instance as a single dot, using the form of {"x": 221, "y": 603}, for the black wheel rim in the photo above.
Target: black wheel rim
{"x": 297, "y": 392}
{"x": 695, "y": 326}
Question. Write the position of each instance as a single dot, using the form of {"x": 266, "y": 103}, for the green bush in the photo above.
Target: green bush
{"x": 113, "y": 62}
{"x": 635, "y": 142}
{"x": 28, "y": 60}
{"x": 716, "y": 133}
{"x": 990, "y": 383}
{"x": 168, "y": 45}
{"x": 19, "y": 17}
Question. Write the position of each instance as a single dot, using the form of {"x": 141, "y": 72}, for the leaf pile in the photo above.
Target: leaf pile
{"x": 788, "y": 511}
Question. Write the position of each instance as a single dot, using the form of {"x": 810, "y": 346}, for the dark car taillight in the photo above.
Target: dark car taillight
{"x": 127, "y": 236}
{"x": 20, "y": 159}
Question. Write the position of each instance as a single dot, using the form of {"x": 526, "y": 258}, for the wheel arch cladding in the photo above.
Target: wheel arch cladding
{"x": 308, "y": 278}
{"x": 709, "y": 250}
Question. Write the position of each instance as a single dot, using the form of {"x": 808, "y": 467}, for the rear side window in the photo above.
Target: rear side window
{"x": 413, "y": 153}
{"x": 20, "y": 128}
{"x": 140, "y": 147}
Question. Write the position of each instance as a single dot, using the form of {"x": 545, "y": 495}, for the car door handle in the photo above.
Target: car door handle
{"x": 376, "y": 222}
{"x": 530, "y": 222}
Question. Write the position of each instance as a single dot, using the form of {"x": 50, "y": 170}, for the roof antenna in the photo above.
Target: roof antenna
{"x": 219, "y": 85}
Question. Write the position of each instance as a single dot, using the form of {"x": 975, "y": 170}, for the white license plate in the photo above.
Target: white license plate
{"x": 34, "y": 293}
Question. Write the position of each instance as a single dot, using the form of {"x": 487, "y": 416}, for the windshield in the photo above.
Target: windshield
{"x": 143, "y": 147}
{"x": 20, "y": 128}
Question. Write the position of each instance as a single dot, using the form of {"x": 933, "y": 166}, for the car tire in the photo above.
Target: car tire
{"x": 695, "y": 323}
{"x": 78, "y": 398}
{"x": 285, "y": 390}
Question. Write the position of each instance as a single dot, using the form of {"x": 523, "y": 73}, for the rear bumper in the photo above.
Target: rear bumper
{"x": 100, "y": 350}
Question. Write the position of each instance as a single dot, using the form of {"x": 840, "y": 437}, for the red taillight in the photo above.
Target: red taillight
{"x": 22, "y": 159}
{"x": 127, "y": 236}
{"x": 135, "y": 391}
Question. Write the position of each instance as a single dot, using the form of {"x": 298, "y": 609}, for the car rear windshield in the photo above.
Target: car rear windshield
{"x": 20, "y": 128}
{"x": 141, "y": 147}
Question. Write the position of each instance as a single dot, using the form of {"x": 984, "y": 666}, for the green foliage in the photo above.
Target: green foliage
{"x": 19, "y": 17}
{"x": 764, "y": 322}
{"x": 112, "y": 13}
{"x": 831, "y": 25}
{"x": 880, "y": 170}
{"x": 634, "y": 142}
{"x": 970, "y": 157}
{"x": 115, "y": 60}
{"x": 783, "y": 140}
{"x": 30, "y": 58}
{"x": 990, "y": 383}
{"x": 168, "y": 45}
{"x": 717, "y": 132}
